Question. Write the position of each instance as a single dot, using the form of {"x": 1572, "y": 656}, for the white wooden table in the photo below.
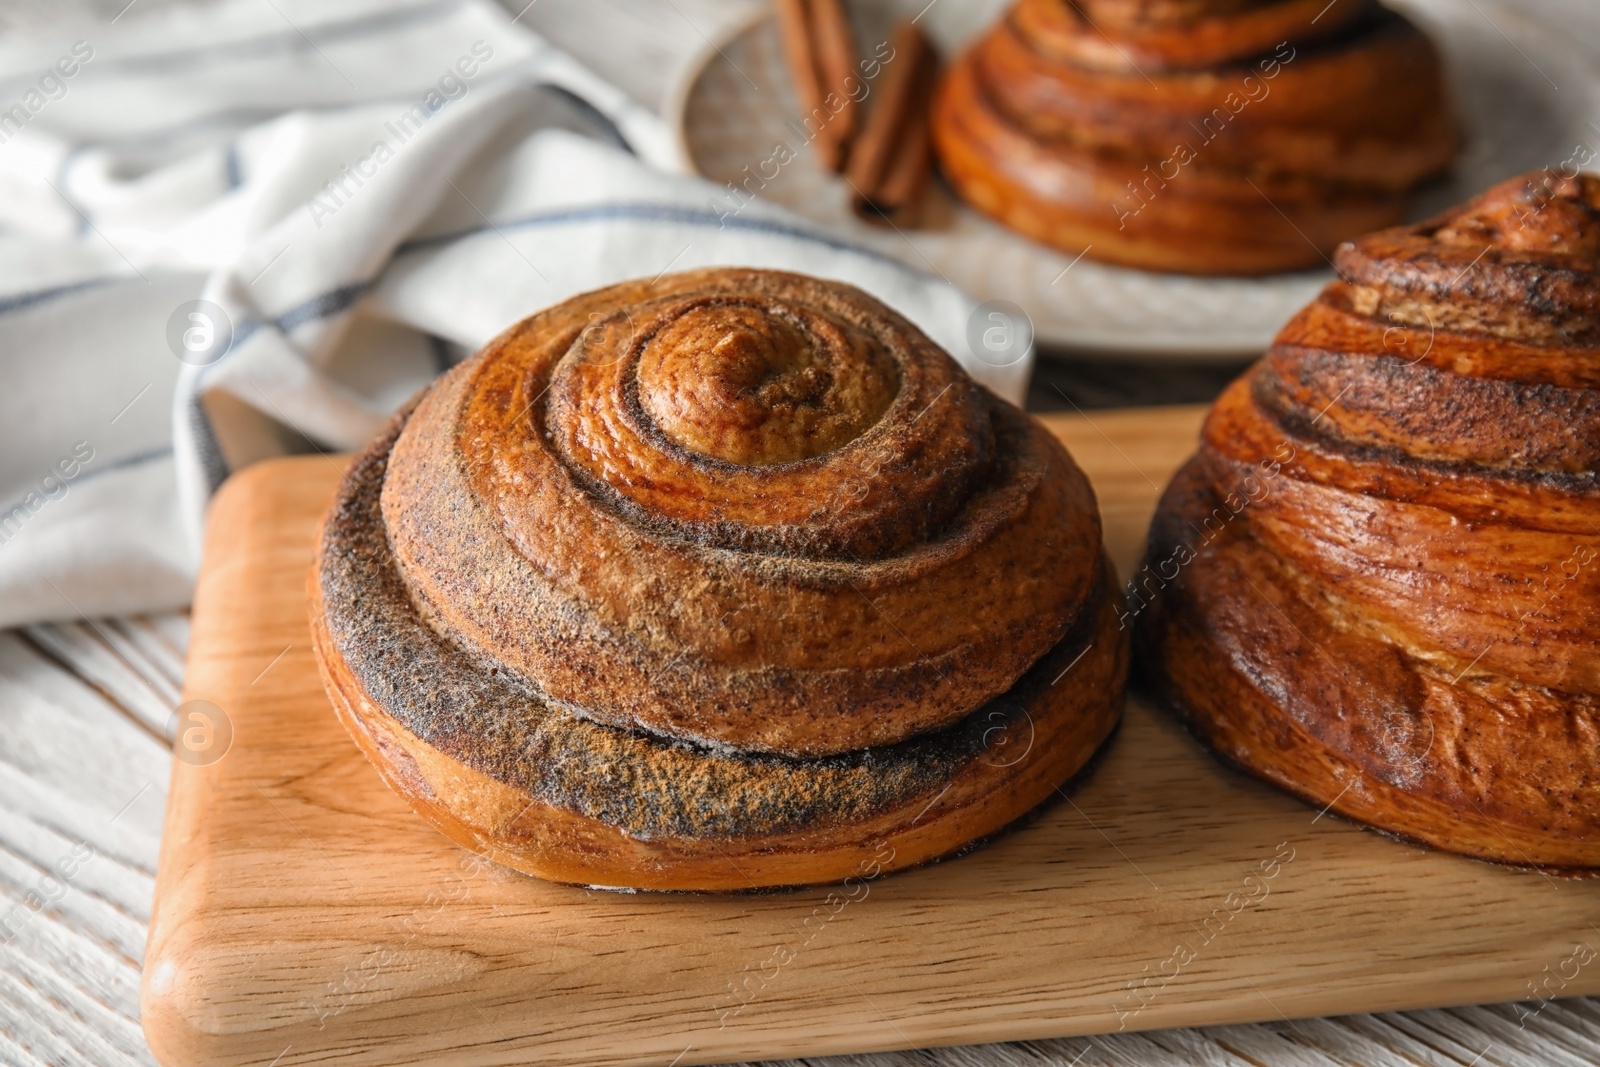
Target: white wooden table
{"x": 84, "y": 760}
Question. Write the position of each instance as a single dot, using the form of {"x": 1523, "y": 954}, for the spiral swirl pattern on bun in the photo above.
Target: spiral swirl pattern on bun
{"x": 730, "y": 566}
{"x": 1376, "y": 584}
{"x": 1204, "y": 136}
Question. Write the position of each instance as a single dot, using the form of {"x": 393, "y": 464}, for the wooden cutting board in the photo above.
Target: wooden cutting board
{"x": 303, "y": 914}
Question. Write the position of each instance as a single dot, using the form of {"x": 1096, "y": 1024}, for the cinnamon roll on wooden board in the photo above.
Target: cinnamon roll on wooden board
{"x": 1201, "y": 136}
{"x": 733, "y": 564}
{"x": 1378, "y": 583}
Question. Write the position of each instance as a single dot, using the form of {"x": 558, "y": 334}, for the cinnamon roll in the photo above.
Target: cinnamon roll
{"x": 1376, "y": 584}
{"x": 1203, "y": 136}
{"x": 729, "y": 580}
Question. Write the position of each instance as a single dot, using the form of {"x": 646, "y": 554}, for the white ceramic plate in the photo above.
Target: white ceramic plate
{"x": 1525, "y": 89}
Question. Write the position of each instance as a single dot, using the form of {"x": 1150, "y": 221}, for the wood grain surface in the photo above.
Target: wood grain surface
{"x": 303, "y": 914}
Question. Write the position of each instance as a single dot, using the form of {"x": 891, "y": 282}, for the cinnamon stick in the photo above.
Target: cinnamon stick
{"x": 898, "y": 197}
{"x": 836, "y": 65}
{"x": 819, "y": 50}
{"x": 794, "y": 31}
{"x": 891, "y": 159}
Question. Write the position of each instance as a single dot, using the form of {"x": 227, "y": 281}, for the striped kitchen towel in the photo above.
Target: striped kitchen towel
{"x": 239, "y": 230}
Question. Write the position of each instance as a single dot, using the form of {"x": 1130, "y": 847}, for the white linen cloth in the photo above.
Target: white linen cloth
{"x": 368, "y": 192}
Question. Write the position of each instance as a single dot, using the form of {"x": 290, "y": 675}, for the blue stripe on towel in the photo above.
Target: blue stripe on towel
{"x": 23, "y": 301}
{"x": 672, "y": 213}
{"x": 88, "y": 474}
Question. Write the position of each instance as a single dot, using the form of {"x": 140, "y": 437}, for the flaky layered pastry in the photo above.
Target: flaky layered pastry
{"x": 721, "y": 581}
{"x": 1203, "y": 136}
{"x": 1378, "y": 583}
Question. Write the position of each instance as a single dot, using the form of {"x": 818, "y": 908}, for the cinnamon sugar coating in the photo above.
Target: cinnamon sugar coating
{"x": 1395, "y": 539}
{"x": 717, "y": 582}
{"x": 800, "y": 608}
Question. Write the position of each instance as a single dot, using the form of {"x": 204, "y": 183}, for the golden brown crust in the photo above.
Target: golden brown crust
{"x": 1237, "y": 139}
{"x": 1376, "y": 583}
{"x": 603, "y": 603}
{"x": 497, "y": 767}
{"x": 1119, "y": 36}
{"x": 801, "y": 608}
